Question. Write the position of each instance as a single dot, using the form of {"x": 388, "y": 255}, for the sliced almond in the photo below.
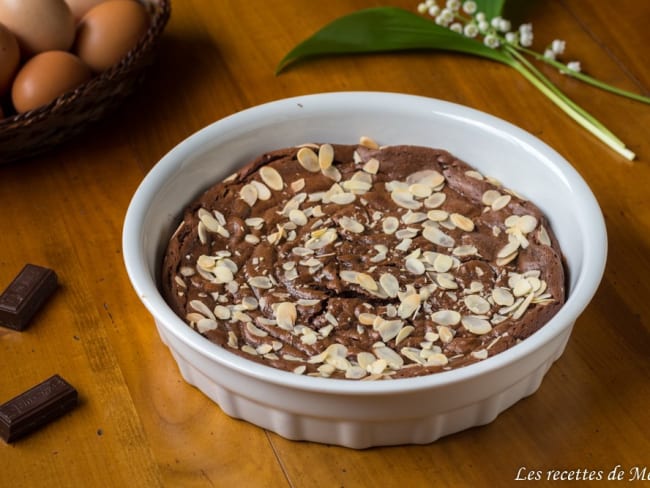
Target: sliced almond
{"x": 308, "y": 159}
{"x": 435, "y": 235}
{"x": 248, "y": 193}
{"x": 390, "y": 225}
{"x": 446, "y": 317}
{"x": 404, "y": 198}
{"x": 366, "y": 281}
{"x": 409, "y": 306}
{"x": 371, "y": 167}
{"x": 476, "y": 325}
{"x": 286, "y": 315}
{"x": 462, "y": 222}
{"x": 368, "y": 142}
{"x": 477, "y": 304}
{"x": 390, "y": 284}
{"x": 501, "y": 202}
{"x": 272, "y": 178}
{"x": 325, "y": 156}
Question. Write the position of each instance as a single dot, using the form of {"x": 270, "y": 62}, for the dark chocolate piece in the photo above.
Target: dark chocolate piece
{"x": 36, "y": 407}
{"x": 25, "y": 295}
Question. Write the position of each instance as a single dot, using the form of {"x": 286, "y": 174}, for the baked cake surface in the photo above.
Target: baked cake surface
{"x": 363, "y": 262}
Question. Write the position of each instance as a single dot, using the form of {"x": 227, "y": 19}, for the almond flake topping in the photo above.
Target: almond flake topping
{"x": 502, "y": 296}
{"x": 332, "y": 173}
{"x": 286, "y": 315}
{"x": 409, "y": 306}
{"x": 368, "y": 142}
{"x": 222, "y": 274}
{"x": 421, "y": 281}
{"x": 366, "y": 281}
{"x": 428, "y": 177}
{"x": 446, "y": 281}
{"x": 272, "y": 178}
{"x": 204, "y": 325}
{"x": 414, "y": 266}
{"x": 393, "y": 360}
{"x": 508, "y": 249}
{"x": 442, "y": 263}
{"x": 446, "y": 317}
{"x": 462, "y": 222}
{"x": 263, "y": 282}
{"x": 325, "y": 156}
{"x": 476, "y": 325}
{"x": 371, "y": 167}
{"x": 480, "y": 354}
{"x": 477, "y": 304}
{"x": 357, "y": 185}
{"x": 500, "y": 202}
{"x": 437, "y": 215}
{"x": 420, "y": 190}
{"x": 435, "y": 235}
{"x": 435, "y": 200}
{"x": 404, "y": 198}
{"x": 543, "y": 237}
{"x": 248, "y": 193}
{"x": 351, "y": 225}
{"x": 308, "y": 159}
{"x": 343, "y": 198}
{"x": 254, "y": 222}
{"x": 390, "y": 225}
{"x": 466, "y": 250}
{"x": 489, "y": 196}
{"x": 403, "y": 334}
{"x": 221, "y": 312}
{"x": 297, "y": 185}
{"x": 321, "y": 238}
{"x": 202, "y": 308}
{"x": 388, "y": 329}
{"x": 212, "y": 224}
{"x": 298, "y": 217}
{"x": 256, "y": 331}
{"x": 390, "y": 284}
{"x": 263, "y": 192}
{"x": 437, "y": 359}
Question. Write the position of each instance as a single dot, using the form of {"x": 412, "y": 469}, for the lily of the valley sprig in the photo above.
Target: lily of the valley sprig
{"x": 470, "y": 27}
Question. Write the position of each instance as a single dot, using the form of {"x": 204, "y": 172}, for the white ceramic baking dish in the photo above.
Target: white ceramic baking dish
{"x": 352, "y": 413}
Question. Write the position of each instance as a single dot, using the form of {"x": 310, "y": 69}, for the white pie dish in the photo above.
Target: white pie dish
{"x": 351, "y": 413}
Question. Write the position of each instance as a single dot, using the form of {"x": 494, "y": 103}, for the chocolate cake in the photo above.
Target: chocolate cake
{"x": 363, "y": 262}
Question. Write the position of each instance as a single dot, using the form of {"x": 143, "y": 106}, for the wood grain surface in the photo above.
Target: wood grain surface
{"x": 139, "y": 425}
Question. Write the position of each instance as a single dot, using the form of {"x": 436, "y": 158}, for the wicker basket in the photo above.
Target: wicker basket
{"x": 37, "y": 131}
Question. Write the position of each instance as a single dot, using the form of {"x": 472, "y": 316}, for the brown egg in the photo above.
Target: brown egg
{"x": 9, "y": 58}
{"x": 39, "y": 25}
{"x": 109, "y": 31}
{"x": 80, "y": 7}
{"x": 46, "y": 76}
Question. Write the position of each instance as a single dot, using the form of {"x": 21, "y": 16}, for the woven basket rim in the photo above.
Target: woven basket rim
{"x": 160, "y": 12}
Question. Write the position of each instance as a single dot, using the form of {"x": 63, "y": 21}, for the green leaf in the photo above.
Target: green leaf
{"x": 491, "y": 8}
{"x": 386, "y": 29}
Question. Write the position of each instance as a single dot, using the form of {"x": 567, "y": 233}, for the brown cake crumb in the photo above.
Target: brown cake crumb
{"x": 363, "y": 262}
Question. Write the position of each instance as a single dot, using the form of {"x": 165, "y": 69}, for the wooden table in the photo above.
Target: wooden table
{"x": 140, "y": 425}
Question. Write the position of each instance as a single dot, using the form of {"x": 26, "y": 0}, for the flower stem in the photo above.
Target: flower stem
{"x": 540, "y": 76}
{"x": 568, "y": 107}
{"x": 586, "y": 78}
